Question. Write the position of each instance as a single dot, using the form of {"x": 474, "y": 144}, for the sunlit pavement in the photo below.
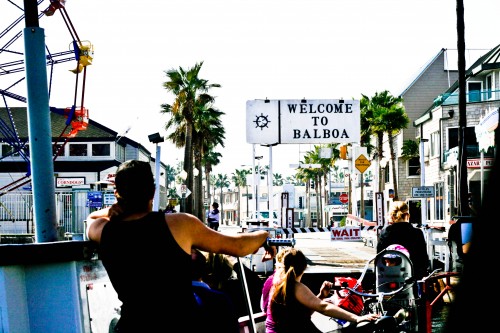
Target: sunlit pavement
{"x": 321, "y": 251}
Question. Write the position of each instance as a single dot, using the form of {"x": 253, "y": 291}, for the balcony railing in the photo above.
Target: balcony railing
{"x": 471, "y": 96}
{"x": 472, "y": 152}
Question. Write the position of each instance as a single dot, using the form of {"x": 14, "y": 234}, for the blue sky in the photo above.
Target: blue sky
{"x": 276, "y": 49}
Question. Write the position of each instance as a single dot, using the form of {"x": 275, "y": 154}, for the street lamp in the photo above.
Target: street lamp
{"x": 156, "y": 139}
{"x": 257, "y": 183}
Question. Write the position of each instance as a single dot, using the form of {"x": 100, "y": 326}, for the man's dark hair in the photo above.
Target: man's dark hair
{"x": 135, "y": 186}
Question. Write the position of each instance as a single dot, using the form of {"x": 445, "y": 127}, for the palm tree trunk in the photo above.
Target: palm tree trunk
{"x": 380, "y": 156}
{"x": 188, "y": 166}
{"x": 308, "y": 203}
{"x": 239, "y": 207}
{"x": 393, "y": 165}
{"x": 317, "y": 190}
{"x": 221, "y": 206}
{"x": 199, "y": 197}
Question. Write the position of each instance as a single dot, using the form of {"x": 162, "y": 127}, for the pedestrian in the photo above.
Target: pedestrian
{"x": 213, "y": 217}
{"x": 292, "y": 303}
{"x": 147, "y": 255}
{"x": 170, "y": 209}
{"x": 266, "y": 287}
{"x": 470, "y": 201}
{"x": 400, "y": 231}
{"x": 215, "y": 311}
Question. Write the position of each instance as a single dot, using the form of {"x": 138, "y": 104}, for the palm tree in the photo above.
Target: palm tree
{"x": 294, "y": 180}
{"x": 366, "y": 120}
{"x": 396, "y": 119}
{"x": 222, "y": 181}
{"x": 239, "y": 179}
{"x": 410, "y": 149}
{"x": 170, "y": 176}
{"x": 187, "y": 88}
{"x": 278, "y": 179}
{"x": 210, "y": 159}
{"x": 208, "y": 133}
{"x": 371, "y": 125}
{"x": 375, "y": 114}
{"x": 305, "y": 176}
{"x": 213, "y": 183}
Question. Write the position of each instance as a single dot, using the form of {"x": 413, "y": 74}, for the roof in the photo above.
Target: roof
{"x": 422, "y": 70}
{"x": 489, "y": 61}
{"x": 15, "y": 127}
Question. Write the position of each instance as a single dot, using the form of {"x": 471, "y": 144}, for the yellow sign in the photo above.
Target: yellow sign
{"x": 362, "y": 163}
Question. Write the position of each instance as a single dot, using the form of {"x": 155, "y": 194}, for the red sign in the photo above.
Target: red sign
{"x": 475, "y": 163}
{"x": 345, "y": 233}
{"x": 344, "y": 198}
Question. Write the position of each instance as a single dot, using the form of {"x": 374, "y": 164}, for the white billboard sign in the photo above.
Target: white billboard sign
{"x": 303, "y": 121}
{"x": 422, "y": 192}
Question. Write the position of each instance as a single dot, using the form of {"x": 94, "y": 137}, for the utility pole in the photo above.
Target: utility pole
{"x": 463, "y": 206}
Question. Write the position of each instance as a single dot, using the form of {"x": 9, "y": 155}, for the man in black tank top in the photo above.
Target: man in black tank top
{"x": 147, "y": 255}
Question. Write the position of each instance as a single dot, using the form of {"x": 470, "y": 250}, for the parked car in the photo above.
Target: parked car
{"x": 262, "y": 220}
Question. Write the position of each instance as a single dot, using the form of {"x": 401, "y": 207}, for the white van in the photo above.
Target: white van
{"x": 263, "y": 220}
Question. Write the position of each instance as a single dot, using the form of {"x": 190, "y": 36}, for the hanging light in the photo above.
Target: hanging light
{"x": 196, "y": 172}
{"x": 183, "y": 175}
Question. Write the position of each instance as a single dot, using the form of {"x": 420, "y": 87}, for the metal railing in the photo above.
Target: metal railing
{"x": 471, "y": 96}
{"x": 16, "y": 212}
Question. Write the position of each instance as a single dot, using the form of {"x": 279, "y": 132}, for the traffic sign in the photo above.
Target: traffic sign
{"x": 344, "y": 198}
{"x": 422, "y": 192}
{"x": 183, "y": 191}
{"x": 362, "y": 163}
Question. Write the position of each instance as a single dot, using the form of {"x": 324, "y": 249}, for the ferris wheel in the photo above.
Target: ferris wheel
{"x": 52, "y": 14}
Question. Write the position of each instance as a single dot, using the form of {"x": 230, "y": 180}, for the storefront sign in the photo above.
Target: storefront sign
{"x": 475, "y": 163}
{"x": 69, "y": 181}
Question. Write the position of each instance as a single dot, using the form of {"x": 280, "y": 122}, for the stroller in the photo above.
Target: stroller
{"x": 394, "y": 270}
{"x": 394, "y": 295}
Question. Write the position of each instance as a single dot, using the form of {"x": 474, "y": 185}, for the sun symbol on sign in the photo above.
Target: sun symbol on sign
{"x": 261, "y": 121}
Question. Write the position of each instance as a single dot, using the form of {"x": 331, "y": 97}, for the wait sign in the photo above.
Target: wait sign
{"x": 350, "y": 233}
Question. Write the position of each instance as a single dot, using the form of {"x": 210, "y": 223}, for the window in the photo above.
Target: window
{"x": 414, "y": 166}
{"x": 78, "y": 149}
{"x": 439, "y": 201}
{"x": 8, "y": 150}
{"x": 489, "y": 86}
{"x": 101, "y": 149}
{"x": 470, "y": 137}
{"x": 58, "y": 149}
{"x": 314, "y": 217}
{"x": 474, "y": 91}
{"x": 119, "y": 153}
{"x": 434, "y": 144}
{"x": 387, "y": 175}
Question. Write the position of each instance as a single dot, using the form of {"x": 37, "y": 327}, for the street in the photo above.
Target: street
{"x": 321, "y": 251}
{"x": 327, "y": 258}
